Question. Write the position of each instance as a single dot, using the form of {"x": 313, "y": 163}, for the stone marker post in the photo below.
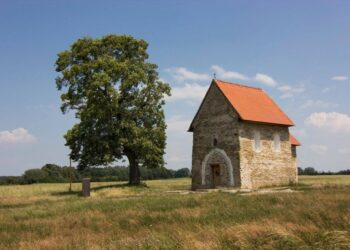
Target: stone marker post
{"x": 86, "y": 187}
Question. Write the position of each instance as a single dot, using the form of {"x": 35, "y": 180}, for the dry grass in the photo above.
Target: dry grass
{"x": 325, "y": 179}
{"x": 117, "y": 217}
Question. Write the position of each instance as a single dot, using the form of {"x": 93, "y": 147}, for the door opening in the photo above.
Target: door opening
{"x": 216, "y": 175}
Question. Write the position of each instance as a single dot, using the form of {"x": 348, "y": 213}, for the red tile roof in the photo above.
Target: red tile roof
{"x": 293, "y": 140}
{"x": 253, "y": 104}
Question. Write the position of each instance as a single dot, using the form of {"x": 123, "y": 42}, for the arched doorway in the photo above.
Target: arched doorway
{"x": 217, "y": 169}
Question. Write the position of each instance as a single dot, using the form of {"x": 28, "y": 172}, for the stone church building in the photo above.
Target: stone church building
{"x": 241, "y": 139}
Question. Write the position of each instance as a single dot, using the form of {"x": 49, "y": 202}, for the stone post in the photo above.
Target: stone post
{"x": 86, "y": 187}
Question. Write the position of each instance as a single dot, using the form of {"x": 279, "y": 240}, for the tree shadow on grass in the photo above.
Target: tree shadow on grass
{"x": 123, "y": 185}
{"x": 78, "y": 193}
{"x": 66, "y": 193}
{"x": 12, "y": 206}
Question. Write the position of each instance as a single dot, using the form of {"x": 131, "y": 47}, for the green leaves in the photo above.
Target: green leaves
{"x": 118, "y": 99}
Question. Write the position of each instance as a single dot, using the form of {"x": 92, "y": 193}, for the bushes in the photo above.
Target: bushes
{"x": 182, "y": 172}
{"x": 313, "y": 171}
{"x": 52, "y": 173}
{"x": 35, "y": 176}
{"x": 106, "y": 174}
{"x": 49, "y": 173}
{"x": 8, "y": 180}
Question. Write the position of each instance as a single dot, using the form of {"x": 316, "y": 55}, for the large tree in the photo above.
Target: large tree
{"x": 118, "y": 100}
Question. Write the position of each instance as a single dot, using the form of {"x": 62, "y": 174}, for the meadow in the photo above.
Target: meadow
{"x": 161, "y": 216}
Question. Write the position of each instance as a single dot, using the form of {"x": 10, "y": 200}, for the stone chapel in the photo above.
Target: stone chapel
{"x": 241, "y": 139}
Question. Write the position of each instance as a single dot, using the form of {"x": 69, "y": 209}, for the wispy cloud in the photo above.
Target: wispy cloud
{"x": 221, "y": 73}
{"x": 183, "y": 74}
{"x": 319, "y": 149}
{"x": 177, "y": 124}
{"x": 193, "y": 92}
{"x": 333, "y": 121}
{"x": 325, "y": 90}
{"x": 317, "y": 104}
{"x": 340, "y": 78}
{"x": 16, "y": 136}
{"x": 265, "y": 79}
{"x": 290, "y": 91}
{"x": 344, "y": 150}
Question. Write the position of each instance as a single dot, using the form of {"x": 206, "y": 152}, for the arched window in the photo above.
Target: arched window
{"x": 257, "y": 141}
{"x": 276, "y": 143}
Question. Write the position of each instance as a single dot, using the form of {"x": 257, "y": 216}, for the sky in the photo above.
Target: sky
{"x": 297, "y": 51}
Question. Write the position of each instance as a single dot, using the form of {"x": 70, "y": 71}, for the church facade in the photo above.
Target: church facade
{"x": 241, "y": 139}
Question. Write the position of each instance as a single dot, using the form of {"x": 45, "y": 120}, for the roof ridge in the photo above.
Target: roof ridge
{"x": 279, "y": 108}
{"x": 244, "y": 98}
{"x": 239, "y": 84}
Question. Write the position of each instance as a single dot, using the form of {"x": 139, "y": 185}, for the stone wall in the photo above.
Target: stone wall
{"x": 267, "y": 167}
{"x": 233, "y": 149}
{"x": 215, "y": 120}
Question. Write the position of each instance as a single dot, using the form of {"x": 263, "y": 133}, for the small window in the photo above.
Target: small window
{"x": 257, "y": 141}
{"x": 294, "y": 151}
{"x": 276, "y": 143}
{"x": 215, "y": 140}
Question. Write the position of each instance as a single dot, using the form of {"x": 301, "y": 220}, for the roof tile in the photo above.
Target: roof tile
{"x": 253, "y": 104}
{"x": 294, "y": 140}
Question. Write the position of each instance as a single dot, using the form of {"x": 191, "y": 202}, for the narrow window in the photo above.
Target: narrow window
{"x": 215, "y": 140}
{"x": 276, "y": 143}
{"x": 294, "y": 151}
{"x": 257, "y": 142}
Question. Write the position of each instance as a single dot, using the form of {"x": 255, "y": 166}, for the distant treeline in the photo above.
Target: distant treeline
{"x": 312, "y": 171}
{"x": 51, "y": 173}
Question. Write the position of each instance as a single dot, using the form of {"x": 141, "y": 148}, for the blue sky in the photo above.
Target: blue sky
{"x": 297, "y": 51}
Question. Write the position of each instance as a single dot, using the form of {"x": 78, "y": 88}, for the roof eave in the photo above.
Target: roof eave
{"x": 190, "y": 129}
{"x": 268, "y": 123}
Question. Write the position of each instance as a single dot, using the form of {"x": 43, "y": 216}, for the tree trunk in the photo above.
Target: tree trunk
{"x": 134, "y": 171}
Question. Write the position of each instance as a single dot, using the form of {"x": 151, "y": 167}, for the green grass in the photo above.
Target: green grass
{"x": 116, "y": 216}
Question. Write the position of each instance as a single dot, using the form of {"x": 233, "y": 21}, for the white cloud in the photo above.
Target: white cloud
{"x": 317, "y": 103}
{"x": 18, "y": 135}
{"x": 285, "y": 88}
{"x": 265, "y": 79}
{"x": 287, "y": 95}
{"x": 335, "y": 122}
{"x": 344, "y": 150}
{"x": 177, "y": 124}
{"x": 183, "y": 74}
{"x": 319, "y": 149}
{"x": 289, "y": 91}
{"x": 223, "y": 74}
{"x": 192, "y": 92}
{"x": 340, "y": 78}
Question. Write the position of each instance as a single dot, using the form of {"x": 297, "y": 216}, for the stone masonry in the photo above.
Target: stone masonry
{"x": 221, "y": 138}
{"x": 215, "y": 120}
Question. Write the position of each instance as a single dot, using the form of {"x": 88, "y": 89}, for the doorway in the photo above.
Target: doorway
{"x": 216, "y": 175}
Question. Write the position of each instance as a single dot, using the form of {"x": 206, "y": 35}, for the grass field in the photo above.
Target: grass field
{"x": 46, "y": 216}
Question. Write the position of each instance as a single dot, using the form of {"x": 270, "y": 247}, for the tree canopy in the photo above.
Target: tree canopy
{"x": 118, "y": 100}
